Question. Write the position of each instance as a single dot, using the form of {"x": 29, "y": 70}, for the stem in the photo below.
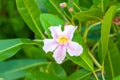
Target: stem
{"x": 79, "y": 30}
{"x": 103, "y": 78}
{"x": 88, "y": 29}
{"x": 95, "y": 75}
{"x": 96, "y": 44}
{"x": 112, "y": 35}
{"x": 102, "y": 5}
{"x": 67, "y": 16}
{"x": 38, "y": 40}
{"x": 59, "y": 10}
{"x": 94, "y": 60}
{"x": 76, "y": 6}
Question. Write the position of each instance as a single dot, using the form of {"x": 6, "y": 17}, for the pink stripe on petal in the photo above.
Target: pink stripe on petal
{"x": 59, "y": 54}
{"x": 49, "y": 45}
{"x": 74, "y": 49}
{"x": 69, "y": 31}
{"x": 55, "y": 31}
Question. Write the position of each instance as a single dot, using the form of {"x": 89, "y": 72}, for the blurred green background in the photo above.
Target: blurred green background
{"x": 11, "y": 23}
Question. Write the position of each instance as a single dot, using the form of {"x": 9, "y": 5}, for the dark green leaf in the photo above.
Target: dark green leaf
{"x": 9, "y": 48}
{"x": 79, "y": 75}
{"x": 14, "y": 69}
{"x": 112, "y": 60}
{"x": 56, "y": 70}
{"x": 30, "y": 12}
{"x": 37, "y": 75}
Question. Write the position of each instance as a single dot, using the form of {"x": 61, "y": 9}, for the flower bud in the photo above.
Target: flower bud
{"x": 116, "y": 20}
{"x": 63, "y": 5}
{"x": 70, "y": 9}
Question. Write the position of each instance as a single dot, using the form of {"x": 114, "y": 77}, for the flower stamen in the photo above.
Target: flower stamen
{"x": 63, "y": 40}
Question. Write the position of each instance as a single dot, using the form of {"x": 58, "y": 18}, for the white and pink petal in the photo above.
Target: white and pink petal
{"x": 55, "y": 31}
{"x": 69, "y": 31}
{"x": 74, "y": 49}
{"x": 60, "y": 54}
{"x": 49, "y": 45}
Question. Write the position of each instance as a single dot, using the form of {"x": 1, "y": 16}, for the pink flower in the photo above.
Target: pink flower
{"x": 62, "y": 43}
{"x": 63, "y": 5}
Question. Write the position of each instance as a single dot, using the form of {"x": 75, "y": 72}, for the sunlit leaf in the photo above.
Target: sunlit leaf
{"x": 105, "y": 30}
{"x": 92, "y": 14}
{"x": 116, "y": 78}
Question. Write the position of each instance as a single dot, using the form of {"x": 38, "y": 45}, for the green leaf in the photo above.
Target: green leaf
{"x": 34, "y": 52}
{"x": 84, "y": 59}
{"x": 56, "y": 70}
{"x": 13, "y": 69}
{"x": 112, "y": 60}
{"x": 92, "y": 14}
{"x": 48, "y": 20}
{"x": 103, "y": 4}
{"x": 45, "y": 6}
{"x": 116, "y": 78}
{"x": 37, "y": 75}
{"x": 79, "y": 75}
{"x": 105, "y": 30}
{"x": 9, "y": 48}
{"x": 30, "y": 12}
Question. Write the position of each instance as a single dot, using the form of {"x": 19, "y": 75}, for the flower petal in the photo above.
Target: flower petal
{"x": 69, "y": 30}
{"x": 55, "y": 31}
{"x": 49, "y": 45}
{"x": 74, "y": 49}
{"x": 59, "y": 54}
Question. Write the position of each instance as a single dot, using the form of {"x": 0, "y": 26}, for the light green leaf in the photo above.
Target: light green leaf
{"x": 92, "y": 14}
{"x": 48, "y": 20}
{"x": 13, "y": 69}
{"x": 30, "y": 12}
{"x": 84, "y": 59}
{"x": 112, "y": 60}
{"x": 105, "y": 30}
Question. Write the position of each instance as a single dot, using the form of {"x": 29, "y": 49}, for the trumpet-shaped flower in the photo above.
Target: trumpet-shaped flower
{"x": 62, "y": 43}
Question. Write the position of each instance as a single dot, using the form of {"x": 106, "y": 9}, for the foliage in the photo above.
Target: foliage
{"x": 25, "y": 23}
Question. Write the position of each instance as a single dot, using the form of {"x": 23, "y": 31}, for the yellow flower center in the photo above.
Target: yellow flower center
{"x": 63, "y": 40}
